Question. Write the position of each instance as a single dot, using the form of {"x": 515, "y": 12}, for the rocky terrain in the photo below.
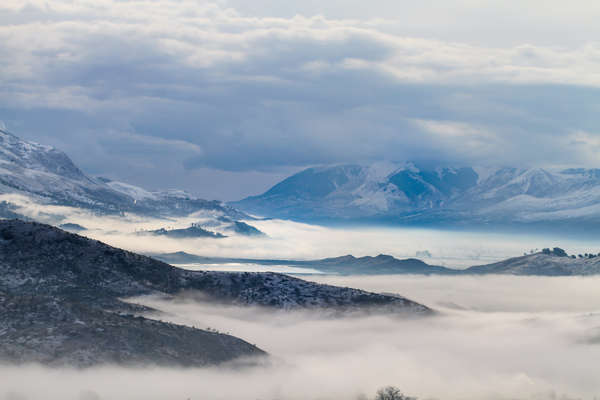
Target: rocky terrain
{"x": 61, "y": 301}
{"x": 57, "y": 330}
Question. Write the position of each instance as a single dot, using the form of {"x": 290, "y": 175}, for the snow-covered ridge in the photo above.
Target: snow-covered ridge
{"x": 48, "y": 175}
{"x": 418, "y": 193}
{"x": 135, "y": 192}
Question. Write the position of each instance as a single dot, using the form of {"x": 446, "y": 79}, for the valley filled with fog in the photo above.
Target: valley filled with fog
{"x": 301, "y": 200}
{"x": 289, "y": 240}
{"x": 493, "y": 338}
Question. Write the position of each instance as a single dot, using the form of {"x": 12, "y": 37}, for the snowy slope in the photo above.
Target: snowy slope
{"x": 43, "y": 172}
{"x": 134, "y": 192}
{"x": 48, "y": 175}
{"x": 412, "y": 194}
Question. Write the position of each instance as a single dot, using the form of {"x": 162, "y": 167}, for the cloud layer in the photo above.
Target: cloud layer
{"x": 168, "y": 92}
{"x": 287, "y": 240}
{"x": 496, "y": 339}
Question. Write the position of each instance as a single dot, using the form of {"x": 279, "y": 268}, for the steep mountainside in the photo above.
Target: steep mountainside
{"x": 62, "y": 292}
{"x": 49, "y": 176}
{"x": 44, "y": 172}
{"x": 412, "y": 195}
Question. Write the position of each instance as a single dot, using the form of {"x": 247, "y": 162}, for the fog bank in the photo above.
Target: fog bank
{"x": 293, "y": 240}
{"x": 496, "y": 338}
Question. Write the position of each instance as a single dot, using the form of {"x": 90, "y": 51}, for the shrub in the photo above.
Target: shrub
{"x": 391, "y": 393}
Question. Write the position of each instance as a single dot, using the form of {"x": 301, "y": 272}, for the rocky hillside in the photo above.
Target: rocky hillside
{"x": 38, "y": 258}
{"x": 62, "y": 292}
{"x": 56, "y": 330}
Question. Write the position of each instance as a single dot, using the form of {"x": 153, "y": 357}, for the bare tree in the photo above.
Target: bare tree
{"x": 391, "y": 393}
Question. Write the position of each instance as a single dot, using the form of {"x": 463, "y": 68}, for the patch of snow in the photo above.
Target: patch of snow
{"x": 483, "y": 173}
{"x": 137, "y": 193}
{"x": 248, "y": 267}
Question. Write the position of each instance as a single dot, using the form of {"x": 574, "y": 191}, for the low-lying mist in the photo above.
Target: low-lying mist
{"x": 494, "y": 338}
{"x": 298, "y": 241}
{"x": 293, "y": 240}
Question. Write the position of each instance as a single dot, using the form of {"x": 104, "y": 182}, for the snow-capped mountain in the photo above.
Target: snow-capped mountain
{"x": 48, "y": 175}
{"x": 415, "y": 195}
{"x": 173, "y": 202}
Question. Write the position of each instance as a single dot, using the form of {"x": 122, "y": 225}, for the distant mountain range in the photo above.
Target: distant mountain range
{"x": 399, "y": 194}
{"x": 61, "y": 302}
{"x": 541, "y": 264}
{"x": 545, "y": 263}
{"x": 412, "y": 195}
{"x": 347, "y": 265}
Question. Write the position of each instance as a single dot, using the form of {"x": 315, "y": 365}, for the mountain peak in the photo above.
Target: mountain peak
{"x": 47, "y": 175}
{"x": 442, "y": 195}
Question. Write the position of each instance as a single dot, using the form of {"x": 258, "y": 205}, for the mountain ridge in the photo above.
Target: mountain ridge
{"x": 545, "y": 263}
{"x": 61, "y": 301}
{"x": 48, "y": 175}
{"x": 442, "y": 196}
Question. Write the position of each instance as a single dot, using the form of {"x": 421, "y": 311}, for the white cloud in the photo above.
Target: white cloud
{"x": 261, "y": 92}
{"x": 203, "y": 35}
{"x": 473, "y": 138}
